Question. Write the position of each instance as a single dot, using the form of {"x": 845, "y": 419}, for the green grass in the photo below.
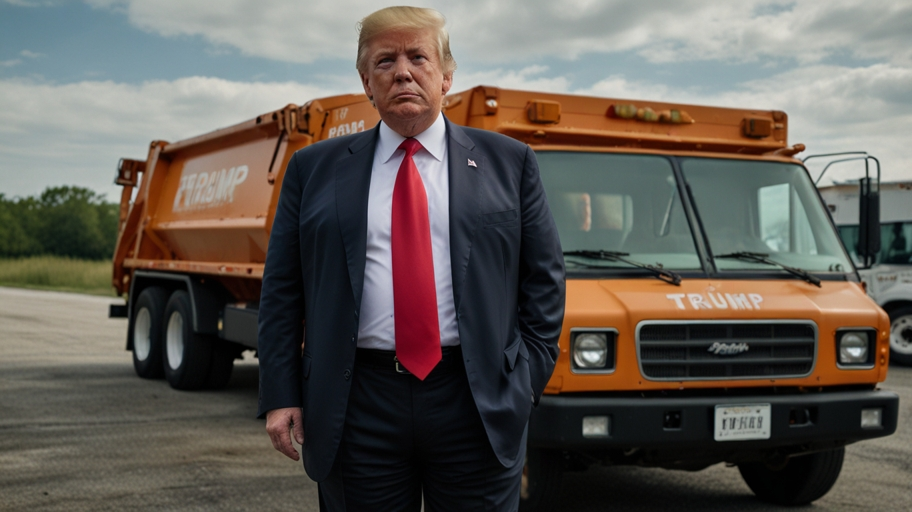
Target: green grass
{"x": 56, "y": 273}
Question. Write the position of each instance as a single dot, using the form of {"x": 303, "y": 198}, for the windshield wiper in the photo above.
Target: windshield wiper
{"x": 665, "y": 275}
{"x": 760, "y": 257}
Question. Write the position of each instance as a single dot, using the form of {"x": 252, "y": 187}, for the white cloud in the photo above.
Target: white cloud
{"x": 502, "y": 31}
{"x": 31, "y": 54}
{"x": 300, "y": 31}
{"x": 75, "y": 133}
{"x": 527, "y": 78}
{"x": 10, "y": 63}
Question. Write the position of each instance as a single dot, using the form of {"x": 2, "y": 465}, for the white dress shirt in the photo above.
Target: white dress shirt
{"x": 377, "y": 327}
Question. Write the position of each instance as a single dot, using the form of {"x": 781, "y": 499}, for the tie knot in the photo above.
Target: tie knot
{"x": 411, "y": 146}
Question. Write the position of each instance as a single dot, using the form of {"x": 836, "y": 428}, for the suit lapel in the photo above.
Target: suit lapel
{"x": 465, "y": 189}
{"x": 352, "y": 176}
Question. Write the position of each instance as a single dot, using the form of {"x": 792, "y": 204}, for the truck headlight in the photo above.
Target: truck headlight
{"x": 854, "y": 348}
{"x": 592, "y": 351}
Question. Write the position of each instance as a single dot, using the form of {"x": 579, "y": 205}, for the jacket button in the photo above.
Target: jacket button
{"x": 347, "y": 374}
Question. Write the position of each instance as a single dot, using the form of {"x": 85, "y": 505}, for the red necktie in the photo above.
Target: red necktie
{"x": 414, "y": 286}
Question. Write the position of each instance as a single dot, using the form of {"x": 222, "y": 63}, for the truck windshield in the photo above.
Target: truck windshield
{"x": 766, "y": 208}
{"x": 625, "y": 203}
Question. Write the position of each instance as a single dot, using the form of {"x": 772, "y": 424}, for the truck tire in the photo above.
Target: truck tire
{"x": 187, "y": 355}
{"x": 541, "y": 480}
{"x": 148, "y": 317}
{"x": 901, "y": 336}
{"x": 800, "y": 481}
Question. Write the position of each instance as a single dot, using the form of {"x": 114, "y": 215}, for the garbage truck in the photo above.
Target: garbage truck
{"x": 712, "y": 314}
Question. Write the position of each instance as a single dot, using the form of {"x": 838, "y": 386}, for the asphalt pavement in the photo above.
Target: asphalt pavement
{"x": 79, "y": 431}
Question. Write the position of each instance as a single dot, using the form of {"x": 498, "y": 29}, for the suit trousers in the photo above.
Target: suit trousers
{"x": 405, "y": 438}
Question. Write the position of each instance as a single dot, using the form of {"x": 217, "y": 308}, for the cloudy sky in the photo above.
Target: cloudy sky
{"x": 83, "y": 83}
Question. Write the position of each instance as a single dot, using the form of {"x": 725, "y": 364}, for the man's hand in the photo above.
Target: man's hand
{"x": 278, "y": 423}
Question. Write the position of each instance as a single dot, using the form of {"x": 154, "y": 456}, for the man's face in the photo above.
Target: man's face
{"x": 405, "y": 78}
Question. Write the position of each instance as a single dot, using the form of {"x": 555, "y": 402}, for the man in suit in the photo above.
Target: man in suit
{"x": 424, "y": 260}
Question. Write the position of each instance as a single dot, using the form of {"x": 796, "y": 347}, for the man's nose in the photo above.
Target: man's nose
{"x": 403, "y": 70}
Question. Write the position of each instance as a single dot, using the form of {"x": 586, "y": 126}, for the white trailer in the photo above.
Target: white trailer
{"x": 889, "y": 280}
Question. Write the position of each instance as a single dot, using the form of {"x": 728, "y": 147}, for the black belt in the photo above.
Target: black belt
{"x": 386, "y": 359}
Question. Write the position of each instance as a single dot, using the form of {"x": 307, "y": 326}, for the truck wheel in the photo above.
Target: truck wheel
{"x": 187, "y": 354}
{"x": 541, "y": 480}
{"x": 800, "y": 481}
{"x": 148, "y": 316}
{"x": 901, "y": 336}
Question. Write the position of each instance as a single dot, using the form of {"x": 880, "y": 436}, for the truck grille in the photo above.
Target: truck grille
{"x": 726, "y": 349}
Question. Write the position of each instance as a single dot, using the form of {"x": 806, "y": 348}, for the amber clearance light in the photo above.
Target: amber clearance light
{"x": 543, "y": 111}
{"x": 647, "y": 114}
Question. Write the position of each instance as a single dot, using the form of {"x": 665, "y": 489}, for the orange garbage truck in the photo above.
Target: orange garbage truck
{"x": 712, "y": 313}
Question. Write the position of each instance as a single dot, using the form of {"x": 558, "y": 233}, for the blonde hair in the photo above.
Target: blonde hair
{"x": 405, "y": 18}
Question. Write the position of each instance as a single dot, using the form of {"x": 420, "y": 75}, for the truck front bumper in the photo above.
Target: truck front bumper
{"x": 688, "y": 422}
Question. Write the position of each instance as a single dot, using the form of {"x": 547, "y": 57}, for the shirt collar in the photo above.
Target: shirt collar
{"x": 433, "y": 140}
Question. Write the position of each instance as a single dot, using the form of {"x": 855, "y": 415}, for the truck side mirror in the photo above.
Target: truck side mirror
{"x": 868, "y": 221}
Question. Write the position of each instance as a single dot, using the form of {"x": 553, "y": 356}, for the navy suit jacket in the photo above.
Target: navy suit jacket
{"x": 508, "y": 284}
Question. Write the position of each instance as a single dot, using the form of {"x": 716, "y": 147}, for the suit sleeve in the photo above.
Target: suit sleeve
{"x": 281, "y": 313}
{"x": 541, "y": 278}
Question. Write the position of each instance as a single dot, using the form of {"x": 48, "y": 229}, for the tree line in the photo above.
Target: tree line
{"x": 62, "y": 221}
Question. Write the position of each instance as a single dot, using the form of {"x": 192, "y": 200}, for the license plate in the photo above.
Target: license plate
{"x": 742, "y": 422}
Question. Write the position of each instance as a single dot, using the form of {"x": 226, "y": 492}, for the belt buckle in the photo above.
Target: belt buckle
{"x": 400, "y": 369}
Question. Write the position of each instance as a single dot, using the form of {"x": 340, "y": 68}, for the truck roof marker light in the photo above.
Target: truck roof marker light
{"x": 648, "y": 114}
{"x": 675, "y": 116}
{"x": 622, "y": 110}
{"x": 757, "y": 128}
{"x": 543, "y": 111}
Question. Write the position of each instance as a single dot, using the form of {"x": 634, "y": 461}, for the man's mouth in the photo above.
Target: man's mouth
{"x": 406, "y": 95}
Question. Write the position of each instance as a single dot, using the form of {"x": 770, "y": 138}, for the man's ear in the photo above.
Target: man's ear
{"x": 365, "y": 82}
{"x": 447, "y": 82}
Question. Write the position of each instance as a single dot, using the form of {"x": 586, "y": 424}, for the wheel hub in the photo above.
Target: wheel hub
{"x": 901, "y": 335}
{"x": 175, "y": 340}
{"x": 142, "y": 334}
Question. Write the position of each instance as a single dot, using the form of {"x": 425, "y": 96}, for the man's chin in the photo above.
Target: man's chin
{"x": 407, "y": 112}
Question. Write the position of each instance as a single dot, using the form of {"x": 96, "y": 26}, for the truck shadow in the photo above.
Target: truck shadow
{"x": 637, "y": 489}
{"x": 244, "y": 378}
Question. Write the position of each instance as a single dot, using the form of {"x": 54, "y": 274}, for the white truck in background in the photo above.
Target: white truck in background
{"x": 889, "y": 276}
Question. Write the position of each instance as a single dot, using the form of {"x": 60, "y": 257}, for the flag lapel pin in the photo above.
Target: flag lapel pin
{"x": 472, "y": 163}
